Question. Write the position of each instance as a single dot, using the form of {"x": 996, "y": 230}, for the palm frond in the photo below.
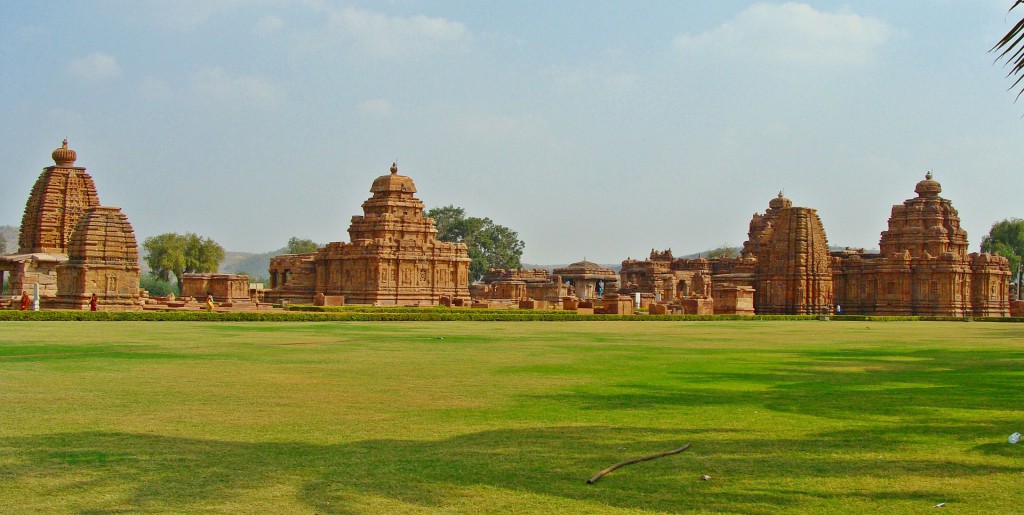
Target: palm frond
{"x": 1011, "y": 48}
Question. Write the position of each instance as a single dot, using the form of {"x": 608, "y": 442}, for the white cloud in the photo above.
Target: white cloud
{"x": 95, "y": 67}
{"x": 376, "y": 108}
{"x": 380, "y": 35}
{"x": 247, "y": 90}
{"x": 268, "y": 25}
{"x": 152, "y": 88}
{"x": 792, "y": 33}
{"x": 176, "y": 14}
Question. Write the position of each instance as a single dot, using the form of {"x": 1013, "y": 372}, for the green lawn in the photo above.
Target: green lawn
{"x": 411, "y": 417}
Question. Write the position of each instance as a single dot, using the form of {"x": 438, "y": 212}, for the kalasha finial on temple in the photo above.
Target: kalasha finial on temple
{"x": 928, "y": 187}
{"x": 64, "y": 156}
{"x": 394, "y": 167}
{"x": 780, "y": 202}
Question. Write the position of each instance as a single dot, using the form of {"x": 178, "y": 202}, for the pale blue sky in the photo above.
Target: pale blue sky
{"x": 595, "y": 129}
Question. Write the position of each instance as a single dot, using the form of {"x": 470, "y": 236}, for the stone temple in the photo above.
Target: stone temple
{"x": 393, "y": 257}
{"x": 923, "y": 267}
{"x": 70, "y": 245}
{"x": 793, "y": 274}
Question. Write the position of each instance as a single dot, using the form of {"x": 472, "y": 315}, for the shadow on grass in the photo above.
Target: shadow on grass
{"x": 159, "y": 473}
{"x": 840, "y": 384}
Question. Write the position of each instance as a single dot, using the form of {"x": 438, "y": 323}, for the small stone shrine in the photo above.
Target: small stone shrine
{"x": 103, "y": 259}
{"x": 590, "y": 280}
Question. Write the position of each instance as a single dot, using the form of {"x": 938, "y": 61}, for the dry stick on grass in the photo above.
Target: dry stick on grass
{"x": 635, "y": 460}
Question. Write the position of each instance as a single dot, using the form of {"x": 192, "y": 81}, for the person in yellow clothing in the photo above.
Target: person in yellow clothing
{"x": 209, "y": 301}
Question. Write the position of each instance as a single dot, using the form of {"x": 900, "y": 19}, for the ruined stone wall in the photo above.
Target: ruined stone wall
{"x": 232, "y": 288}
{"x": 990, "y": 281}
{"x": 292, "y": 278}
{"x": 730, "y": 299}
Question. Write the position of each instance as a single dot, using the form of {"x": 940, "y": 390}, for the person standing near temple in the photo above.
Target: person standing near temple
{"x": 25, "y": 301}
{"x": 94, "y": 302}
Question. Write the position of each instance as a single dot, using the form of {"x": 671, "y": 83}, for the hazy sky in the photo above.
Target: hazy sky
{"x": 595, "y": 129}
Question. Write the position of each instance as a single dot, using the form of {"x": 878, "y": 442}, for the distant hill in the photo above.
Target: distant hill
{"x": 256, "y": 266}
{"x": 529, "y": 266}
{"x": 10, "y": 238}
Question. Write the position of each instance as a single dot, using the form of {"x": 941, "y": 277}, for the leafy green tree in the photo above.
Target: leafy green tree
{"x": 3, "y": 244}
{"x": 301, "y": 246}
{"x": 1006, "y": 238}
{"x": 156, "y": 287}
{"x": 489, "y": 245}
{"x": 177, "y": 254}
{"x": 1012, "y": 49}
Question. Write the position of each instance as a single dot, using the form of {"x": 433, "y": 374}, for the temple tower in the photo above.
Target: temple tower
{"x": 794, "y": 270}
{"x": 927, "y": 225}
{"x": 59, "y": 198}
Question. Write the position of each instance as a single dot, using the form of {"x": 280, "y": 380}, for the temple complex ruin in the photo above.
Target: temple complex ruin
{"x": 393, "y": 257}
{"x": 923, "y": 267}
{"x": 521, "y": 285}
{"x": 70, "y": 246}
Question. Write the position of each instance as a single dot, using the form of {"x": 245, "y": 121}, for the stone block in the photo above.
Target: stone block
{"x": 1017, "y": 308}
{"x": 698, "y": 306}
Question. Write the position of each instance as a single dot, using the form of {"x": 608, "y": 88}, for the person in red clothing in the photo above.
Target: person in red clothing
{"x": 94, "y": 302}
{"x": 25, "y": 301}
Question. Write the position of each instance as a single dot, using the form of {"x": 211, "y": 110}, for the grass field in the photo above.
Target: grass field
{"x": 851, "y": 417}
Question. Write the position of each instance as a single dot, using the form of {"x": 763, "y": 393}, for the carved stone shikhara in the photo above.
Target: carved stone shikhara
{"x": 103, "y": 259}
{"x": 59, "y": 198}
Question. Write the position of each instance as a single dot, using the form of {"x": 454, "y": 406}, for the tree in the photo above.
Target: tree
{"x": 1006, "y": 238}
{"x": 723, "y": 251}
{"x": 3, "y": 244}
{"x": 489, "y": 245}
{"x": 1012, "y": 46}
{"x": 301, "y": 246}
{"x": 179, "y": 254}
{"x": 156, "y": 287}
